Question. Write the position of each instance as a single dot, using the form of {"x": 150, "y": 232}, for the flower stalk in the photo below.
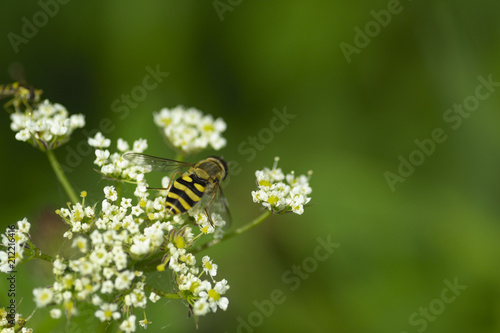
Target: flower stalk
{"x": 61, "y": 176}
{"x": 161, "y": 292}
{"x": 236, "y": 232}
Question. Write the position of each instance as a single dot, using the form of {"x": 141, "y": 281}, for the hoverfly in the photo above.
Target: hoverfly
{"x": 201, "y": 180}
{"x": 22, "y": 94}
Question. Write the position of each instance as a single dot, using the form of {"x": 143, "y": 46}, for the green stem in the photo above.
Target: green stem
{"x": 238, "y": 231}
{"x": 61, "y": 176}
{"x": 40, "y": 255}
{"x": 161, "y": 292}
{"x": 118, "y": 191}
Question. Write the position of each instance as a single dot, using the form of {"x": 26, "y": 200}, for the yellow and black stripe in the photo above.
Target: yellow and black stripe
{"x": 8, "y": 89}
{"x": 184, "y": 193}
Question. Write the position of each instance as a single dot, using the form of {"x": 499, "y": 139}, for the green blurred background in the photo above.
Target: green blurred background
{"x": 352, "y": 121}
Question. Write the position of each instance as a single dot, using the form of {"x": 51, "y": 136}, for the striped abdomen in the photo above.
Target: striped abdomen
{"x": 184, "y": 193}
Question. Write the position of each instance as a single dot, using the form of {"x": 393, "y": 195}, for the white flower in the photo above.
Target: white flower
{"x": 96, "y": 238}
{"x": 124, "y": 279}
{"x": 76, "y": 121}
{"x": 189, "y": 130}
{"x": 140, "y": 145}
{"x": 114, "y": 165}
{"x": 213, "y": 296}
{"x": 137, "y": 210}
{"x": 24, "y": 226}
{"x": 123, "y": 145}
{"x": 128, "y": 325}
{"x": 107, "y": 312}
{"x": 99, "y": 141}
{"x": 107, "y": 287}
{"x": 55, "y": 313}
{"x": 48, "y": 125}
{"x": 101, "y": 157}
{"x": 278, "y": 196}
{"x": 136, "y": 298}
{"x": 58, "y": 129}
{"x": 58, "y": 266}
{"x": 110, "y": 193}
{"x": 153, "y": 297}
{"x": 43, "y": 296}
{"x": 100, "y": 256}
{"x": 208, "y": 266}
{"x": 23, "y": 135}
{"x": 201, "y": 307}
{"x": 5, "y": 266}
{"x": 145, "y": 322}
{"x": 96, "y": 300}
{"x": 81, "y": 243}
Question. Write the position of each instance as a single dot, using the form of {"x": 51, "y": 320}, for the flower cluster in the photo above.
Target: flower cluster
{"x": 114, "y": 166}
{"x": 15, "y": 241}
{"x": 189, "y": 130}
{"x": 279, "y": 196}
{"x": 10, "y": 323}
{"x": 117, "y": 247}
{"x": 120, "y": 239}
{"x": 47, "y": 127}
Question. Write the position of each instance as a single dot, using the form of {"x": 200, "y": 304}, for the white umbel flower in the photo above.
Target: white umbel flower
{"x": 107, "y": 312}
{"x": 128, "y": 325}
{"x": 47, "y": 127}
{"x": 189, "y": 130}
{"x": 113, "y": 165}
{"x": 279, "y": 196}
{"x": 43, "y": 296}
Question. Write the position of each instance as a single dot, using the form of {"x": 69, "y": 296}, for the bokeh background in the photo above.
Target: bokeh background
{"x": 352, "y": 121}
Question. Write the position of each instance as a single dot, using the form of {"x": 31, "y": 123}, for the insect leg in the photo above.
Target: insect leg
{"x": 209, "y": 212}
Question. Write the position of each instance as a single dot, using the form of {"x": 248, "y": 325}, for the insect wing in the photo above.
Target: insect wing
{"x": 217, "y": 203}
{"x": 16, "y": 71}
{"x": 153, "y": 163}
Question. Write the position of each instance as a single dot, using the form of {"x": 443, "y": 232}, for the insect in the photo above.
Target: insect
{"x": 22, "y": 94}
{"x": 201, "y": 181}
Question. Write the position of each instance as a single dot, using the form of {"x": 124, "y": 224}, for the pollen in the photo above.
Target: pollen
{"x": 180, "y": 243}
{"x": 208, "y": 128}
{"x": 265, "y": 183}
{"x": 213, "y": 294}
{"x": 272, "y": 200}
